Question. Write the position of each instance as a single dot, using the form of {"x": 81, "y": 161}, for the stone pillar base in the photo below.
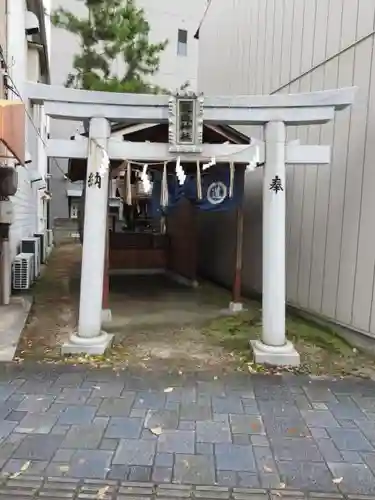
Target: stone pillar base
{"x": 106, "y": 316}
{"x": 285, "y": 355}
{"x": 235, "y": 307}
{"x": 94, "y": 346}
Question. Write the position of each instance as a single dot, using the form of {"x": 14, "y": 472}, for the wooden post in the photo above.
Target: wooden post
{"x": 194, "y": 236}
{"x": 236, "y": 290}
{"x": 105, "y": 300}
{"x": 105, "y": 303}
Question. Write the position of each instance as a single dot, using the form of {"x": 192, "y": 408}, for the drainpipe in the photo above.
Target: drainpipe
{"x": 48, "y": 214}
{"x": 5, "y": 266}
{"x": 6, "y": 26}
{"x": 6, "y": 271}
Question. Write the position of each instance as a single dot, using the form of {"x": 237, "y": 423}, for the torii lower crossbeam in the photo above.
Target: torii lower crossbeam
{"x": 153, "y": 151}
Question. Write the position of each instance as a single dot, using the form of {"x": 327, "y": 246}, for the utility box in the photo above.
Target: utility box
{"x": 6, "y": 212}
{"x": 8, "y": 181}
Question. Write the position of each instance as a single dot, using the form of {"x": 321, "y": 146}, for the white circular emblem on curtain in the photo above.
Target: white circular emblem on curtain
{"x": 216, "y": 193}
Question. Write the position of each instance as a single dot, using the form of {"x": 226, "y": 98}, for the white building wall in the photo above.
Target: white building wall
{"x": 37, "y": 145}
{"x": 166, "y": 18}
{"x": 24, "y": 201}
{"x": 44, "y": 127}
{"x": 269, "y": 46}
{"x": 23, "y": 64}
{"x": 47, "y": 8}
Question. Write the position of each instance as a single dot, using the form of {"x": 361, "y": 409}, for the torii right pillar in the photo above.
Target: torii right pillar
{"x": 315, "y": 108}
{"x": 274, "y": 348}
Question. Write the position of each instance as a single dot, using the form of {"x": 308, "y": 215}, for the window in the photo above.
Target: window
{"x": 182, "y": 43}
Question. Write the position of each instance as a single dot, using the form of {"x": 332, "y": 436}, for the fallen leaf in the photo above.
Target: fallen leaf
{"x": 102, "y": 493}
{"x": 25, "y": 466}
{"x": 337, "y": 480}
{"x": 267, "y": 469}
{"x": 215, "y": 378}
{"x": 157, "y": 431}
{"x": 292, "y": 430}
{"x": 168, "y": 389}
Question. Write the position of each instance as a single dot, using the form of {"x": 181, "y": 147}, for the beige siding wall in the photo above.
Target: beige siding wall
{"x": 264, "y": 46}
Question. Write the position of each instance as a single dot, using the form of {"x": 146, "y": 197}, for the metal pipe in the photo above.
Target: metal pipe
{"x": 321, "y": 63}
{"x": 6, "y": 272}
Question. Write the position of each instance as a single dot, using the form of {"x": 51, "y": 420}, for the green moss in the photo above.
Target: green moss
{"x": 303, "y": 330}
{"x": 234, "y": 332}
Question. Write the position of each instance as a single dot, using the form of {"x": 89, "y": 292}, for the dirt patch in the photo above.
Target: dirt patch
{"x": 53, "y": 315}
{"x": 158, "y": 340}
{"x": 185, "y": 350}
{"x": 176, "y": 330}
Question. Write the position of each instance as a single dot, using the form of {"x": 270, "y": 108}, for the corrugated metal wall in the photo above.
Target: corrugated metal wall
{"x": 264, "y": 46}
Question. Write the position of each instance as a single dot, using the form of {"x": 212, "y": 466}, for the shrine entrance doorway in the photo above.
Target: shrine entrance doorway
{"x": 145, "y": 238}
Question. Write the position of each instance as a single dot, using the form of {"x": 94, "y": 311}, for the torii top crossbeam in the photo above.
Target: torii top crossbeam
{"x": 293, "y": 109}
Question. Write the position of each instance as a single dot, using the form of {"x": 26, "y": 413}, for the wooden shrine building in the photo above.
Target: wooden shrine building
{"x": 141, "y": 241}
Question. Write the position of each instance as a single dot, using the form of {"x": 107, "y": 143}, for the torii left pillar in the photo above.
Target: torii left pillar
{"x": 90, "y": 338}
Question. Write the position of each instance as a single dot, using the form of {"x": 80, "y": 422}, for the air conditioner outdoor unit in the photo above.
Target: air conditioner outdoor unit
{"x": 32, "y": 245}
{"x": 43, "y": 246}
{"x": 23, "y": 271}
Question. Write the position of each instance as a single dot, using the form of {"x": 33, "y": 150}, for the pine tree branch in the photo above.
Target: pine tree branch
{"x": 113, "y": 29}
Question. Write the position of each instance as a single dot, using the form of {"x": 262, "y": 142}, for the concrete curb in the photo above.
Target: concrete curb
{"x": 10, "y": 332}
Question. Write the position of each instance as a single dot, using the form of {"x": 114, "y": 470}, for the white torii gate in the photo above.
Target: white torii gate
{"x": 274, "y": 112}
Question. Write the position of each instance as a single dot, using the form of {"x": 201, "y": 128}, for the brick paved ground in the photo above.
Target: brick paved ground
{"x": 66, "y": 425}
